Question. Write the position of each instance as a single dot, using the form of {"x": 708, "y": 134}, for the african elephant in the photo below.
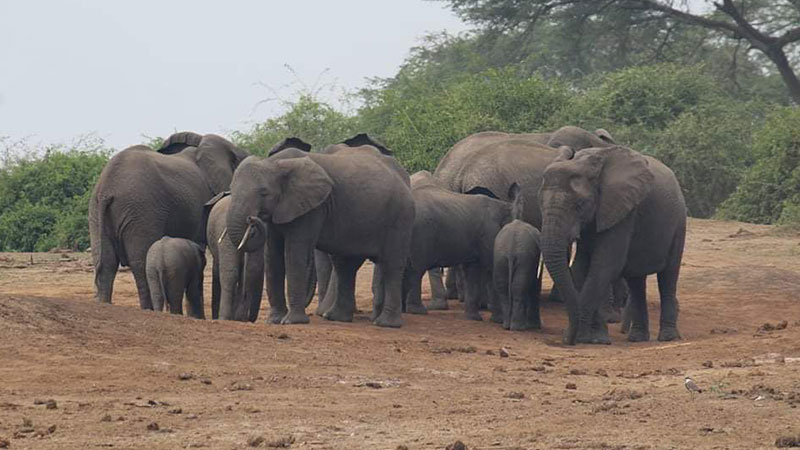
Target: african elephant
{"x": 452, "y": 229}
{"x": 351, "y": 203}
{"x": 175, "y": 266}
{"x": 142, "y": 195}
{"x": 628, "y": 215}
{"x": 238, "y": 276}
{"x": 496, "y": 160}
{"x": 516, "y": 258}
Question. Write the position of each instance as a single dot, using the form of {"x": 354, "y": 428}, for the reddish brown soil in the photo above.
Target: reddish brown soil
{"x": 115, "y": 370}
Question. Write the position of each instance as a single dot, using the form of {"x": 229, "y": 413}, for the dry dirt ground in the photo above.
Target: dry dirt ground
{"x": 115, "y": 371}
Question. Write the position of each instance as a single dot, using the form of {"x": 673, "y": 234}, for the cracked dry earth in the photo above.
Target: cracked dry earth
{"x": 123, "y": 378}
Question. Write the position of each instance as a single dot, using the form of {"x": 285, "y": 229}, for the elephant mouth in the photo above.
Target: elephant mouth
{"x": 254, "y": 226}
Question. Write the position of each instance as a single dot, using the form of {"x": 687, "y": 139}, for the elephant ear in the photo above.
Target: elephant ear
{"x": 365, "y": 139}
{"x": 605, "y": 136}
{"x": 179, "y": 141}
{"x": 290, "y": 142}
{"x": 625, "y": 180}
{"x": 480, "y": 190}
{"x": 304, "y": 186}
{"x": 209, "y": 206}
{"x": 218, "y": 158}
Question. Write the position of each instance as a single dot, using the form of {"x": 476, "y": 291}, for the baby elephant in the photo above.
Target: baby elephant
{"x": 516, "y": 259}
{"x": 175, "y": 266}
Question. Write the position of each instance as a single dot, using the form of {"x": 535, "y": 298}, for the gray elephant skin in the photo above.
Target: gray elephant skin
{"x": 516, "y": 259}
{"x": 142, "y": 195}
{"x": 351, "y": 203}
{"x": 628, "y": 215}
{"x": 175, "y": 266}
{"x": 453, "y": 229}
{"x": 237, "y": 275}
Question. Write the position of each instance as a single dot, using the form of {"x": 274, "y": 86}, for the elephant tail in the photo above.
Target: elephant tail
{"x": 163, "y": 287}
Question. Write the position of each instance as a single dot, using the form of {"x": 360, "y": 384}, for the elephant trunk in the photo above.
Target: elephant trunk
{"x": 245, "y": 230}
{"x": 555, "y": 242}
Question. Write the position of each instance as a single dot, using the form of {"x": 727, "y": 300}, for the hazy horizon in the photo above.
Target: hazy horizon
{"x": 124, "y": 70}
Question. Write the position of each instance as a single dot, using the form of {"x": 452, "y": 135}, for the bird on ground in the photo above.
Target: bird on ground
{"x": 691, "y": 386}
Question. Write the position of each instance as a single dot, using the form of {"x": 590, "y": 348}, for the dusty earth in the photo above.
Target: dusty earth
{"x": 124, "y": 378}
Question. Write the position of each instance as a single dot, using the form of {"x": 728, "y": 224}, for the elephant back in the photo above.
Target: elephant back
{"x": 179, "y": 141}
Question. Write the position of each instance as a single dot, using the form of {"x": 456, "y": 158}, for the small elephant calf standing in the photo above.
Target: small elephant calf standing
{"x": 516, "y": 259}
{"x": 175, "y": 266}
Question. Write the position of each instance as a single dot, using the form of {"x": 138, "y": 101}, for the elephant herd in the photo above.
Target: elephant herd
{"x": 495, "y": 206}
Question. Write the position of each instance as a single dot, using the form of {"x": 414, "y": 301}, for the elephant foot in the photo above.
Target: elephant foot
{"x": 638, "y": 335}
{"x": 275, "y": 316}
{"x": 668, "y": 334}
{"x": 593, "y": 336}
{"x": 438, "y": 304}
{"x": 295, "y": 317}
{"x": 416, "y": 308}
{"x": 338, "y": 315}
{"x": 613, "y": 316}
{"x": 389, "y": 320}
{"x": 496, "y": 318}
{"x": 320, "y": 311}
{"x": 515, "y": 326}
{"x": 474, "y": 315}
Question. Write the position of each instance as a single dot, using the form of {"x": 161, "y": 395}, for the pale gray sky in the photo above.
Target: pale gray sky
{"x": 123, "y": 69}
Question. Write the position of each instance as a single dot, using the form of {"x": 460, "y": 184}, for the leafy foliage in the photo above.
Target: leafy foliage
{"x": 44, "y": 197}
{"x": 312, "y": 120}
{"x": 420, "y": 121}
{"x": 770, "y": 190}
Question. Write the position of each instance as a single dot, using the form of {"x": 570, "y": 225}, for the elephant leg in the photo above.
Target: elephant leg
{"x": 344, "y": 305}
{"x": 522, "y": 281}
{"x": 488, "y": 292}
{"x": 276, "y": 275}
{"x": 390, "y": 312}
{"x": 451, "y": 291}
{"x": 413, "y": 296}
{"x": 667, "y": 289}
{"x": 324, "y": 267}
{"x": 616, "y": 298}
{"x": 501, "y": 284}
{"x": 106, "y": 265}
{"x": 461, "y": 286}
{"x": 625, "y": 327}
{"x": 533, "y": 298}
{"x": 437, "y": 288}
{"x": 378, "y": 297}
{"x": 255, "y": 284}
{"x": 216, "y": 289}
{"x": 174, "y": 294}
{"x": 637, "y": 309}
{"x": 472, "y": 281}
{"x": 140, "y": 277}
{"x": 157, "y": 293}
{"x": 194, "y": 297}
{"x": 327, "y": 302}
{"x": 299, "y": 261}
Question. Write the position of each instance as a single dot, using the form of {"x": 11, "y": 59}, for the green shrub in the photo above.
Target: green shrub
{"x": 420, "y": 121}
{"x": 44, "y": 197}
{"x": 308, "y": 118}
{"x": 770, "y": 190}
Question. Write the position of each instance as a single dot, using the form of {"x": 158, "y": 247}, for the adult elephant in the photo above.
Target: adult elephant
{"x": 237, "y": 276}
{"x": 628, "y": 215}
{"x": 351, "y": 203}
{"x": 496, "y": 160}
{"x": 142, "y": 195}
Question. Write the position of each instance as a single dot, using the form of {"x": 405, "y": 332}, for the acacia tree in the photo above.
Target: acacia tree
{"x": 771, "y": 27}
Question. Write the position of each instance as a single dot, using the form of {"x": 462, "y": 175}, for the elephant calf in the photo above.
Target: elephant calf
{"x": 452, "y": 229}
{"x": 174, "y": 266}
{"x": 516, "y": 258}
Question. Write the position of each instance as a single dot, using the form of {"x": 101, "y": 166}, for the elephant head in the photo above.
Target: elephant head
{"x": 591, "y": 190}
{"x": 273, "y": 190}
{"x": 216, "y": 156}
{"x": 577, "y": 138}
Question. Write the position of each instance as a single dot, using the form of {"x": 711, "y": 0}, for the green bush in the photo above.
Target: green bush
{"x": 44, "y": 197}
{"x": 770, "y": 190}
{"x": 420, "y": 120}
{"x": 312, "y": 120}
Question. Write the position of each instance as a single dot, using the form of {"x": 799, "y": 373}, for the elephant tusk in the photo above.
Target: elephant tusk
{"x": 246, "y": 237}
{"x": 222, "y": 236}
